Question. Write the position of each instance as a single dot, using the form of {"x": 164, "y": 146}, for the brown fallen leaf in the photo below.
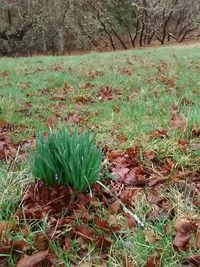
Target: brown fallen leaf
{"x": 115, "y": 207}
{"x": 74, "y": 117}
{"x": 31, "y": 261}
{"x": 5, "y": 226}
{"x": 159, "y": 134}
{"x": 4, "y": 74}
{"x": 85, "y": 232}
{"x": 135, "y": 177}
{"x": 178, "y": 122}
{"x": 195, "y": 132}
{"x": 94, "y": 73}
{"x": 126, "y": 196}
{"x": 169, "y": 165}
{"x": 194, "y": 260}
{"x": 184, "y": 228}
{"x": 103, "y": 225}
{"x": 153, "y": 261}
{"x": 106, "y": 93}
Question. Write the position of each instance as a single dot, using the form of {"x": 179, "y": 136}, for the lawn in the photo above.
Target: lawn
{"x": 147, "y": 100}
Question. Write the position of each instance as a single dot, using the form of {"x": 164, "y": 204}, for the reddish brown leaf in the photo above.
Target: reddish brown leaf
{"x": 126, "y": 196}
{"x": 135, "y": 177}
{"x": 195, "y": 132}
{"x": 94, "y": 73}
{"x": 115, "y": 207}
{"x": 120, "y": 172}
{"x": 19, "y": 245}
{"x": 131, "y": 223}
{"x": 194, "y": 260}
{"x": 67, "y": 245}
{"x": 4, "y": 248}
{"x": 184, "y": 228}
{"x": 183, "y": 144}
{"x": 178, "y": 122}
{"x": 5, "y": 226}
{"x": 4, "y": 74}
{"x": 106, "y": 93}
{"x": 74, "y": 117}
{"x": 85, "y": 232}
{"x": 169, "y": 164}
{"x": 52, "y": 120}
{"x": 31, "y": 261}
{"x": 159, "y": 134}
{"x": 103, "y": 225}
{"x": 198, "y": 240}
{"x": 152, "y": 262}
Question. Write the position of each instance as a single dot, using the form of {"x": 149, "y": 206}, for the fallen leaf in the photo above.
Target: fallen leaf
{"x": 198, "y": 240}
{"x": 159, "y": 134}
{"x": 195, "y": 132}
{"x": 169, "y": 165}
{"x": 120, "y": 172}
{"x": 131, "y": 223}
{"x": 4, "y": 74}
{"x": 74, "y": 117}
{"x": 178, "y": 122}
{"x": 115, "y": 207}
{"x": 31, "y": 261}
{"x": 19, "y": 245}
{"x": 106, "y": 93}
{"x": 126, "y": 196}
{"x": 135, "y": 177}
{"x": 194, "y": 260}
{"x": 184, "y": 228}
{"x": 94, "y": 73}
{"x": 103, "y": 225}
{"x": 85, "y": 232}
{"x": 153, "y": 261}
{"x": 5, "y": 226}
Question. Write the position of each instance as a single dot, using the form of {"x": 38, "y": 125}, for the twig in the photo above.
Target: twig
{"x": 135, "y": 217}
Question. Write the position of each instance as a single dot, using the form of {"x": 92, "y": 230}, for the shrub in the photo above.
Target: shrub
{"x": 66, "y": 159}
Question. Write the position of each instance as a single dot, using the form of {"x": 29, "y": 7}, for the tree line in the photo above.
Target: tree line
{"x": 59, "y": 26}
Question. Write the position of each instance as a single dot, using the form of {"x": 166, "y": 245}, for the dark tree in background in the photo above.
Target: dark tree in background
{"x": 59, "y": 26}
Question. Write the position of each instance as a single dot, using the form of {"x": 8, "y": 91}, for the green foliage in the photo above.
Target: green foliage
{"x": 67, "y": 159}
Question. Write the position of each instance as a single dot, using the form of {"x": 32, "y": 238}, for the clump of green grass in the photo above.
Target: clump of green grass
{"x": 67, "y": 159}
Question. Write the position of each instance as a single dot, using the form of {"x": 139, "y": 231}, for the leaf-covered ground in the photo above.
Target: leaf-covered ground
{"x": 144, "y": 106}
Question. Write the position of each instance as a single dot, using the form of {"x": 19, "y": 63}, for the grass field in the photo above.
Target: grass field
{"x": 149, "y": 98}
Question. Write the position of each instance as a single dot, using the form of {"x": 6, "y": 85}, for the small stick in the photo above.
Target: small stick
{"x": 135, "y": 217}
